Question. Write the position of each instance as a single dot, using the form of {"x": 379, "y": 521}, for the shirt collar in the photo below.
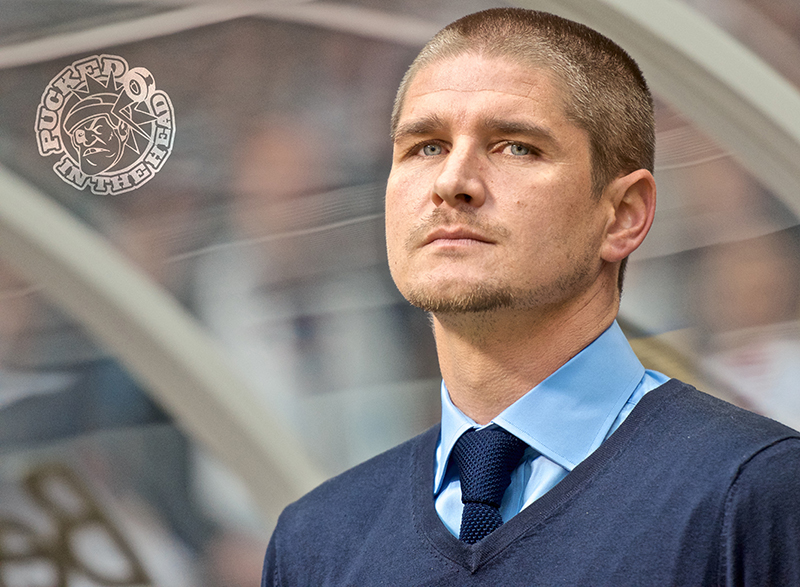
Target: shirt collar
{"x": 567, "y": 415}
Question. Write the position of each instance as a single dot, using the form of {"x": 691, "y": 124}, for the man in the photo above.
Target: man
{"x": 521, "y": 181}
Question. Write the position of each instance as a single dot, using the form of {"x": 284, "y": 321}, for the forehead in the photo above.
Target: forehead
{"x": 474, "y": 81}
{"x": 472, "y": 71}
{"x": 471, "y": 91}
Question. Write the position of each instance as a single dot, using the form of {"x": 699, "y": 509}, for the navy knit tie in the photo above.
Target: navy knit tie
{"x": 486, "y": 459}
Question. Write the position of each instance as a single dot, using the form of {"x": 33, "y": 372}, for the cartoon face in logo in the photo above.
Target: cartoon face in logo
{"x": 99, "y": 143}
{"x": 112, "y": 128}
{"x": 97, "y": 132}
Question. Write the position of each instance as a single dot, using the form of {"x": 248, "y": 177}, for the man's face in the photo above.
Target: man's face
{"x": 98, "y": 143}
{"x": 489, "y": 201}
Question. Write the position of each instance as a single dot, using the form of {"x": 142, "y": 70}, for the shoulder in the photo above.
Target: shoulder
{"x": 721, "y": 485}
{"x": 770, "y": 476}
{"x": 698, "y": 443}
{"x": 705, "y": 423}
{"x": 337, "y": 521}
{"x": 357, "y": 495}
{"x": 761, "y": 528}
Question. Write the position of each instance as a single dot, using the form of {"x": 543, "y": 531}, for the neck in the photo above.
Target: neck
{"x": 490, "y": 359}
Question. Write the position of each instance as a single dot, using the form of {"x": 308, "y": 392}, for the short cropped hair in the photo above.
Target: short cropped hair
{"x": 605, "y": 92}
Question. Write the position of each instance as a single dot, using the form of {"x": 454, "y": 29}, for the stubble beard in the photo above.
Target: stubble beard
{"x": 489, "y": 297}
{"x": 481, "y": 298}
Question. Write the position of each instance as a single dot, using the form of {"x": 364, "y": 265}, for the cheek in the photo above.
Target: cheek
{"x": 406, "y": 182}
{"x": 546, "y": 227}
{"x": 396, "y": 218}
{"x": 396, "y": 254}
{"x": 405, "y": 199}
{"x": 393, "y": 237}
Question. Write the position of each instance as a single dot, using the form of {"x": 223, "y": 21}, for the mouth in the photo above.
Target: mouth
{"x": 455, "y": 236}
{"x": 93, "y": 150}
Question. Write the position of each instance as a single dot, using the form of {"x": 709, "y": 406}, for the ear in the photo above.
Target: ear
{"x": 632, "y": 200}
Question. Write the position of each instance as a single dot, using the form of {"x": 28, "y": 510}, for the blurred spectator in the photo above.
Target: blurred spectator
{"x": 747, "y": 304}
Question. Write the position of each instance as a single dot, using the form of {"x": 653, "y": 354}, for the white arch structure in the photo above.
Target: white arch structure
{"x": 714, "y": 80}
{"x": 156, "y": 339}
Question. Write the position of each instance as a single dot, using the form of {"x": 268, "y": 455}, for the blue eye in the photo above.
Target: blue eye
{"x": 431, "y": 149}
{"x": 519, "y": 150}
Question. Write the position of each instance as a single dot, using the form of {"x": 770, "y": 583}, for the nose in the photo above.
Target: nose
{"x": 460, "y": 180}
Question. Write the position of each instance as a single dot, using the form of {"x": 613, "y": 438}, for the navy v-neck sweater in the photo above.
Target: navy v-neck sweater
{"x": 688, "y": 491}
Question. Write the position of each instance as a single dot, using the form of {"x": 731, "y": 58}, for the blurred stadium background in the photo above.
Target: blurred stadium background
{"x": 180, "y": 361}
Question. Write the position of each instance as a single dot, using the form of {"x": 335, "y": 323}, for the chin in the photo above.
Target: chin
{"x": 477, "y": 298}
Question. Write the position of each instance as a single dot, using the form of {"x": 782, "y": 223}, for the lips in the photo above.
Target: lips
{"x": 455, "y": 234}
{"x": 454, "y": 229}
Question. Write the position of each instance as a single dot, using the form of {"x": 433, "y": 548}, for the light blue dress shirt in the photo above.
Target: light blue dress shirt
{"x": 563, "y": 420}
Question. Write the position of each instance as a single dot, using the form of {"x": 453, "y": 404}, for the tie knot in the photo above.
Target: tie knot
{"x": 486, "y": 459}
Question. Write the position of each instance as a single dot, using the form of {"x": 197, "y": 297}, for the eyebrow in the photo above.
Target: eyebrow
{"x": 511, "y": 127}
{"x": 432, "y": 123}
{"x": 422, "y": 126}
